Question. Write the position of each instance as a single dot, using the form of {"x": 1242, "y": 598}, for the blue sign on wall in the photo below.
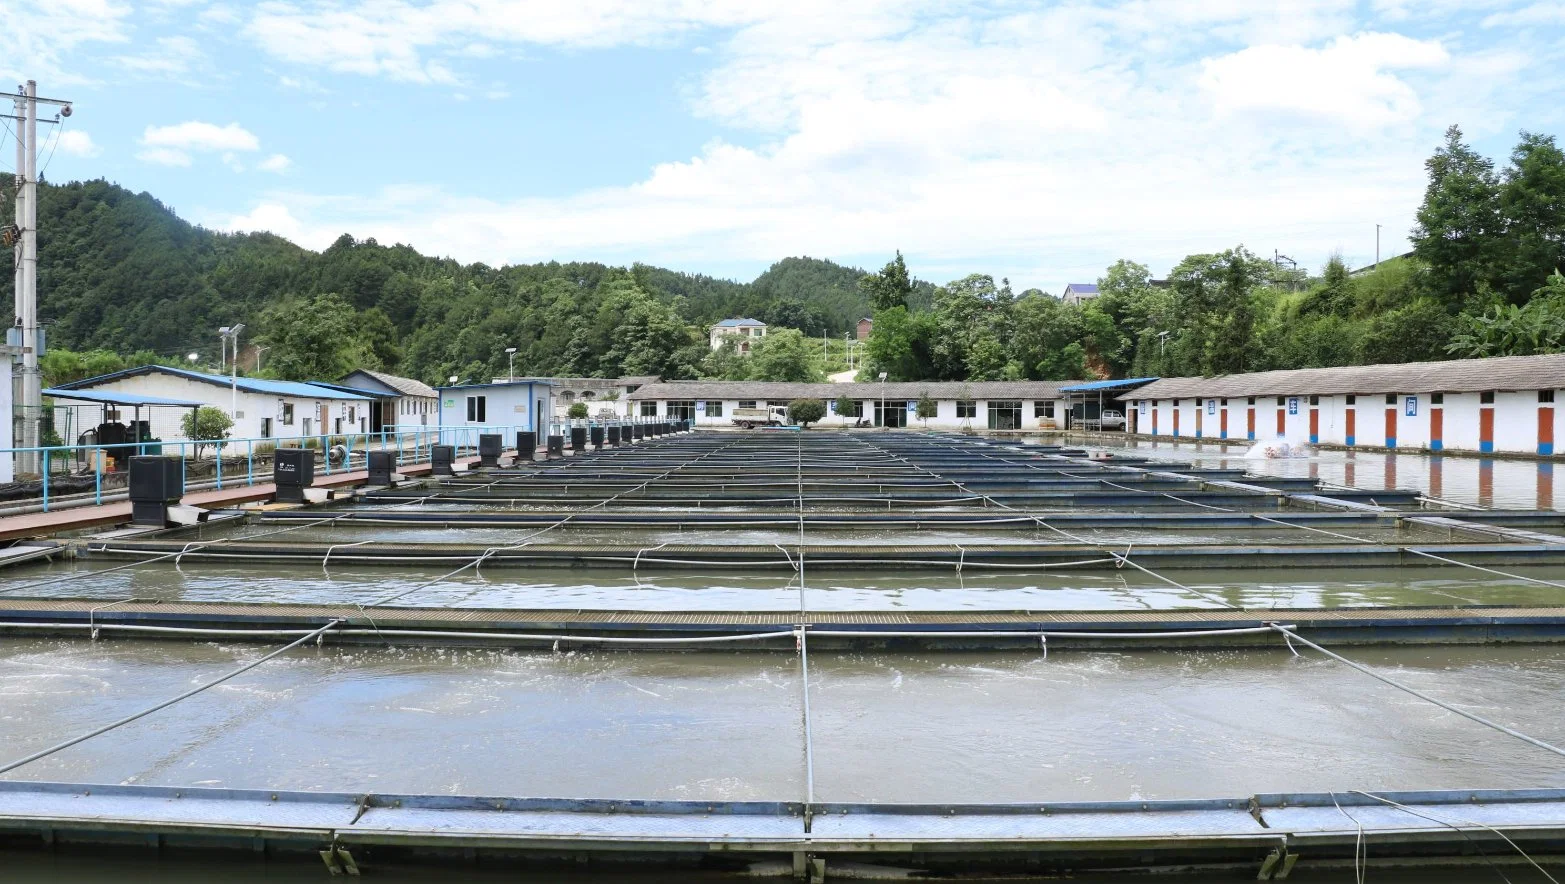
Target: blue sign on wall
{"x": 1293, "y": 405}
{"x": 1211, "y": 406}
{"x": 1410, "y": 406}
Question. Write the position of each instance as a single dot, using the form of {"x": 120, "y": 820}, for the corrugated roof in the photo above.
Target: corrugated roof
{"x": 1121, "y": 384}
{"x": 1083, "y": 288}
{"x": 866, "y": 390}
{"x": 1452, "y": 376}
{"x": 112, "y": 397}
{"x": 640, "y": 380}
{"x": 405, "y": 386}
{"x": 541, "y": 382}
{"x": 736, "y": 323}
{"x": 249, "y": 385}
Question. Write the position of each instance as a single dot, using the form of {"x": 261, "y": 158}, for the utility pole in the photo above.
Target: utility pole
{"x": 26, "y": 117}
{"x": 1377, "y": 244}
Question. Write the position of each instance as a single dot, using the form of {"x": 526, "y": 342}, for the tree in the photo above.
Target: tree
{"x": 312, "y": 338}
{"x": 205, "y": 424}
{"x": 902, "y": 344}
{"x": 847, "y": 407}
{"x": 1532, "y": 206}
{"x": 1214, "y": 293}
{"x": 784, "y": 355}
{"x": 1459, "y": 220}
{"x": 926, "y": 409}
{"x": 889, "y": 288}
{"x": 577, "y": 411}
{"x": 806, "y": 411}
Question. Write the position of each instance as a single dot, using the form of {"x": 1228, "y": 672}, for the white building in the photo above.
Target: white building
{"x": 1483, "y": 406}
{"x": 396, "y": 401}
{"x": 1079, "y": 292}
{"x": 261, "y": 409}
{"x": 502, "y": 407}
{"x": 604, "y": 397}
{"x": 978, "y": 405}
{"x": 743, "y": 331}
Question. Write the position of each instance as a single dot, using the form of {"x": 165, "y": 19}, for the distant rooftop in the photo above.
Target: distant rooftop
{"x": 1082, "y": 288}
{"x": 250, "y": 385}
{"x": 739, "y": 323}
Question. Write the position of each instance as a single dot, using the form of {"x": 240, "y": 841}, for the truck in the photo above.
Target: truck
{"x": 773, "y": 416}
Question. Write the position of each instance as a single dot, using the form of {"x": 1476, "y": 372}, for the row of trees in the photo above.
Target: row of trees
{"x": 1482, "y": 280}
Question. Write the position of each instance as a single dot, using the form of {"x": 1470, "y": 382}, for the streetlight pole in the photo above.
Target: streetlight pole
{"x": 258, "y": 352}
{"x": 231, "y": 333}
{"x": 882, "y": 400}
{"x": 1377, "y": 243}
{"x": 510, "y": 370}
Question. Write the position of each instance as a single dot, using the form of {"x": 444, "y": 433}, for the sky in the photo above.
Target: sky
{"x": 1034, "y": 141}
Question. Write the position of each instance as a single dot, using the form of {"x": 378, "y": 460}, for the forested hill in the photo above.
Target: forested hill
{"x": 121, "y": 272}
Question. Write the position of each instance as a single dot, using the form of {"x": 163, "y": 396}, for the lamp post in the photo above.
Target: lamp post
{"x": 258, "y": 352}
{"x": 510, "y": 369}
{"x": 231, "y": 333}
{"x": 882, "y": 399}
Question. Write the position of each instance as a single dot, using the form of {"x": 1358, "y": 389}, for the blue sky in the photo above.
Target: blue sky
{"x": 1037, "y": 141}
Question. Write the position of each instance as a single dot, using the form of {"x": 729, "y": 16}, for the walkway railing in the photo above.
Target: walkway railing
{"x": 232, "y": 462}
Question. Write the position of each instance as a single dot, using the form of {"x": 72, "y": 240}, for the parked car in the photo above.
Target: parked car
{"x": 1111, "y": 420}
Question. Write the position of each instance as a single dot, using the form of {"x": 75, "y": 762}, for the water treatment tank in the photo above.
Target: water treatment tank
{"x": 526, "y": 446}
{"x": 155, "y": 482}
{"x": 489, "y": 446}
{"x": 441, "y": 458}
{"x": 381, "y": 465}
{"x": 293, "y": 470}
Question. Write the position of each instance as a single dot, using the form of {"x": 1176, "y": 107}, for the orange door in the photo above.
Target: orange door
{"x": 1391, "y": 427}
{"x": 1314, "y": 425}
{"x": 1222, "y": 424}
{"x": 1436, "y": 430}
{"x": 1352, "y": 421}
{"x": 1545, "y": 430}
{"x": 1198, "y": 408}
{"x": 1176, "y": 421}
{"x": 1250, "y": 425}
{"x": 1486, "y": 431}
{"x": 1282, "y": 423}
{"x": 1154, "y": 420}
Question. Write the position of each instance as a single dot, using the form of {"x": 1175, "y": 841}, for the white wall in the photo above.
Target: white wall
{"x": 253, "y": 407}
{"x": 506, "y": 405}
{"x": 945, "y": 414}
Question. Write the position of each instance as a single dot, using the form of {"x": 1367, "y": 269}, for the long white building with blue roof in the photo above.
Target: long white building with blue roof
{"x": 262, "y": 409}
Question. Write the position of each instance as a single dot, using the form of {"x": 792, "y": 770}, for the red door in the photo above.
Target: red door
{"x": 1176, "y": 421}
{"x": 1198, "y": 408}
{"x": 1154, "y": 420}
{"x": 1436, "y": 430}
{"x": 1250, "y": 425}
{"x": 1352, "y": 420}
{"x": 1282, "y": 423}
{"x": 1486, "y": 431}
{"x": 1545, "y": 430}
{"x": 1314, "y": 425}
{"x": 1222, "y": 424}
{"x": 1391, "y": 427}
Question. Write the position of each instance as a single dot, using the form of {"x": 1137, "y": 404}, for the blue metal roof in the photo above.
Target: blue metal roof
{"x": 113, "y": 397}
{"x": 735, "y": 323}
{"x": 295, "y": 389}
{"x": 1121, "y": 384}
{"x": 1086, "y": 288}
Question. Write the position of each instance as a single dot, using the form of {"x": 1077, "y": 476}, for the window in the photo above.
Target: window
{"x": 777, "y": 403}
{"x": 682, "y": 409}
{"x": 352, "y": 414}
{"x": 266, "y": 428}
{"x": 966, "y": 408}
{"x": 747, "y": 403}
{"x": 568, "y": 396}
{"x": 1436, "y": 398}
{"x": 477, "y": 409}
{"x": 1545, "y": 395}
{"x": 1225, "y": 403}
{"x": 1042, "y": 408}
{"x": 1314, "y": 400}
{"x": 1353, "y": 400}
{"x": 1391, "y": 398}
{"x": 1005, "y": 415}
{"x": 111, "y": 414}
{"x": 714, "y": 408}
{"x": 1281, "y": 401}
{"x": 1176, "y": 403}
{"x": 1249, "y": 401}
{"x": 649, "y": 409}
{"x": 587, "y": 394}
{"x": 1486, "y": 398}
{"x": 287, "y": 414}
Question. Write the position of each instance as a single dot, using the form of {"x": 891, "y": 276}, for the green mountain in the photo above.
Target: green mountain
{"x": 121, "y": 272}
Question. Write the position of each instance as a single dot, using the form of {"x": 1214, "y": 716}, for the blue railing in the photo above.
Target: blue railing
{"x": 413, "y": 444}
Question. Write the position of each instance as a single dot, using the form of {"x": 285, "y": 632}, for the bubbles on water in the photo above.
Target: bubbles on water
{"x": 1279, "y": 449}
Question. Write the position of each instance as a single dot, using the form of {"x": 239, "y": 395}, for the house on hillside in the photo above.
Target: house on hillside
{"x": 865, "y": 326}
{"x": 1079, "y": 292}
{"x": 395, "y": 400}
{"x": 745, "y": 330}
{"x": 261, "y": 409}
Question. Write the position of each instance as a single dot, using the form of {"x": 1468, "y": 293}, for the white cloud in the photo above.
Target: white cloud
{"x": 77, "y": 142}
{"x": 275, "y": 163}
{"x": 1040, "y": 143}
{"x": 38, "y": 36}
{"x": 198, "y": 136}
{"x": 174, "y": 56}
{"x": 164, "y": 156}
{"x": 1348, "y": 80}
{"x": 1551, "y": 13}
